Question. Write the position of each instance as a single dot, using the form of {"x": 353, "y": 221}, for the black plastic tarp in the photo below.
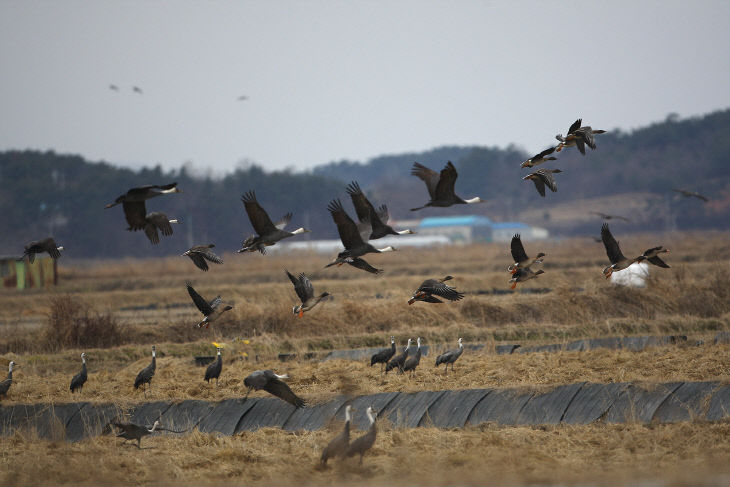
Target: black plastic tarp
{"x": 452, "y": 408}
{"x": 500, "y": 406}
{"x": 225, "y": 416}
{"x": 91, "y": 420}
{"x": 266, "y": 412}
{"x": 689, "y": 401}
{"x": 187, "y": 414}
{"x": 592, "y": 402}
{"x": 719, "y": 407}
{"x": 312, "y": 418}
{"x": 407, "y": 409}
{"x": 147, "y": 413}
{"x": 548, "y": 407}
{"x": 379, "y": 402}
{"x": 51, "y": 422}
{"x": 638, "y": 403}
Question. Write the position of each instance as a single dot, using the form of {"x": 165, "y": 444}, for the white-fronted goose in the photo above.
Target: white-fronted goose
{"x": 362, "y": 264}
{"x": 652, "y": 255}
{"x": 305, "y": 291}
{"x": 523, "y": 274}
{"x": 399, "y": 360}
{"x": 521, "y": 260}
{"x": 211, "y": 310}
{"x": 450, "y": 357}
{"x": 362, "y": 444}
{"x": 40, "y": 246}
{"x": 273, "y": 384}
{"x": 578, "y": 136}
{"x": 692, "y": 194}
{"x": 338, "y": 446}
{"x": 268, "y": 233}
{"x": 542, "y": 178}
{"x": 78, "y": 380}
{"x": 430, "y": 288}
{"x": 539, "y": 158}
{"x": 200, "y": 253}
{"x": 377, "y": 221}
{"x": 440, "y": 186}
{"x": 355, "y": 244}
{"x": 613, "y": 251}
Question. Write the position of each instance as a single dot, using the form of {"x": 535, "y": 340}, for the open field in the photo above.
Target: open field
{"x": 126, "y": 306}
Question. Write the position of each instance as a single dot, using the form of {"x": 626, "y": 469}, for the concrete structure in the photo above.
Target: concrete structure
{"x": 21, "y": 275}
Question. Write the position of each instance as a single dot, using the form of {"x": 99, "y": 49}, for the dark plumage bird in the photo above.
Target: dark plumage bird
{"x": 652, "y": 255}
{"x": 398, "y": 360}
{"x": 578, "y": 136}
{"x": 135, "y": 211}
{"x": 440, "y": 186}
{"x": 430, "y": 288}
{"x": 40, "y": 246}
{"x": 5, "y": 385}
{"x": 154, "y": 221}
{"x": 521, "y": 260}
{"x": 610, "y": 217}
{"x": 522, "y": 275}
{"x": 360, "y": 445}
{"x": 338, "y": 446}
{"x": 542, "y": 178}
{"x": 213, "y": 371}
{"x": 412, "y": 362}
{"x": 539, "y": 158}
{"x": 355, "y": 244}
{"x": 450, "y": 357}
{"x": 613, "y": 251}
{"x": 369, "y": 218}
{"x": 211, "y": 310}
{"x": 305, "y": 291}
{"x": 145, "y": 375}
{"x": 200, "y": 253}
{"x": 78, "y": 380}
{"x": 268, "y": 233}
{"x": 692, "y": 194}
{"x": 131, "y": 431}
{"x": 362, "y": 264}
{"x": 273, "y": 384}
{"x": 383, "y": 355}
{"x": 114, "y": 87}
{"x": 137, "y": 90}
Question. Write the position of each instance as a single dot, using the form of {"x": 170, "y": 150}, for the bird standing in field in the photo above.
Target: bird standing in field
{"x": 618, "y": 261}
{"x": 412, "y": 362}
{"x": 521, "y": 260}
{"x": 430, "y": 288}
{"x": 383, "y": 355}
{"x": 369, "y": 218}
{"x": 200, "y": 253}
{"x": 522, "y": 275}
{"x": 268, "y": 233}
{"x": 450, "y": 357}
{"x": 398, "y": 360}
{"x": 440, "y": 186}
{"x": 145, "y": 375}
{"x": 542, "y": 178}
{"x": 338, "y": 446}
{"x": 40, "y": 246}
{"x": 211, "y": 310}
{"x": 692, "y": 194}
{"x": 5, "y": 385}
{"x": 539, "y": 158}
{"x": 78, "y": 380}
{"x": 213, "y": 371}
{"x": 360, "y": 445}
{"x": 305, "y": 291}
{"x": 273, "y": 384}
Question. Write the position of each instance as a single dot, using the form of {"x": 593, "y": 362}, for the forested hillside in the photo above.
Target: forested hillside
{"x": 64, "y": 195}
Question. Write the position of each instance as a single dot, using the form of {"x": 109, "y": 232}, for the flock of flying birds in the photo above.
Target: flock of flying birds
{"x": 355, "y": 236}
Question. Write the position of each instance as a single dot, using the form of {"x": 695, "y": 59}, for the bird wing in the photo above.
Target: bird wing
{"x": 580, "y": 143}
{"x": 199, "y": 301}
{"x": 199, "y": 261}
{"x": 428, "y": 176}
{"x": 347, "y": 229}
{"x": 49, "y": 245}
{"x": 134, "y": 212}
{"x": 161, "y": 221}
{"x": 283, "y": 222}
{"x": 151, "y": 231}
{"x": 447, "y": 180}
{"x": 210, "y": 255}
{"x": 383, "y": 214}
{"x": 587, "y": 133}
{"x": 575, "y": 126}
{"x": 548, "y": 179}
{"x": 302, "y": 286}
{"x": 281, "y": 390}
{"x": 658, "y": 262}
{"x": 518, "y": 251}
{"x": 215, "y": 302}
{"x": 544, "y": 153}
{"x": 539, "y": 184}
{"x": 363, "y": 265}
{"x": 257, "y": 215}
{"x": 613, "y": 251}
{"x": 703, "y": 198}
{"x": 363, "y": 207}
{"x": 433, "y": 286}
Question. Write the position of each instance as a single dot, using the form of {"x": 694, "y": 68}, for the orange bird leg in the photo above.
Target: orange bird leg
{"x": 301, "y": 312}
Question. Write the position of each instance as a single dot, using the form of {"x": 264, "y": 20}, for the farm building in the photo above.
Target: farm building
{"x": 459, "y": 229}
{"x": 21, "y": 274}
{"x": 503, "y": 231}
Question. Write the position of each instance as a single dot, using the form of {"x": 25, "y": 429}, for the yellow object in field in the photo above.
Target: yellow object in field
{"x": 246, "y": 342}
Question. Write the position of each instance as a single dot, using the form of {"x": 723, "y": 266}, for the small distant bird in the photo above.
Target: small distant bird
{"x": 412, "y": 362}
{"x": 539, "y": 158}
{"x": 578, "y": 136}
{"x": 114, "y": 87}
{"x": 242, "y": 98}
{"x": 652, "y": 255}
{"x": 355, "y": 243}
{"x": 542, "y": 178}
{"x": 521, "y": 260}
{"x": 613, "y": 251}
{"x": 440, "y": 186}
{"x": 359, "y": 446}
{"x": 200, "y": 253}
{"x": 383, "y": 355}
{"x": 40, "y": 246}
{"x": 78, "y": 381}
{"x": 214, "y": 370}
{"x": 338, "y": 446}
{"x": 305, "y": 291}
{"x": 137, "y": 89}
{"x": 398, "y": 360}
{"x": 610, "y": 217}
{"x": 145, "y": 375}
{"x": 273, "y": 384}
{"x": 362, "y": 264}
{"x": 430, "y": 288}
{"x": 211, "y": 310}
{"x": 450, "y": 357}
{"x": 690, "y": 194}
{"x": 372, "y": 222}
{"x": 268, "y": 232}
{"x": 522, "y": 275}
{"x": 5, "y": 385}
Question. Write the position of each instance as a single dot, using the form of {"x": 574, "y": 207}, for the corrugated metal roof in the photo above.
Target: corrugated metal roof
{"x": 453, "y": 221}
{"x": 504, "y": 225}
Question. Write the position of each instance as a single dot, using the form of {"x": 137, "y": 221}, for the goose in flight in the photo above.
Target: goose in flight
{"x": 273, "y": 384}
{"x": 521, "y": 260}
{"x": 430, "y": 288}
{"x": 523, "y": 274}
{"x": 690, "y": 194}
{"x": 355, "y": 244}
{"x": 40, "y": 246}
{"x": 135, "y": 211}
{"x": 360, "y": 263}
{"x": 211, "y": 310}
{"x": 440, "y": 186}
{"x": 200, "y": 253}
{"x": 539, "y": 158}
{"x": 652, "y": 256}
{"x": 268, "y": 233}
{"x": 305, "y": 291}
{"x": 542, "y": 178}
{"x": 613, "y": 251}
{"x": 368, "y": 217}
{"x": 578, "y": 136}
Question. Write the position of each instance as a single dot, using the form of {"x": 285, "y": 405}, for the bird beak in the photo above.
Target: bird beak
{"x": 412, "y": 300}
{"x": 109, "y": 205}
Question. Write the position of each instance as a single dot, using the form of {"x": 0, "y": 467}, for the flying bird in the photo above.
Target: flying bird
{"x": 523, "y": 274}
{"x": 268, "y": 232}
{"x": 200, "y": 253}
{"x": 113, "y": 87}
{"x": 610, "y": 217}
{"x": 615, "y": 256}
{"x": 539, "y": 158}
{"x": 369, "y": 218}
{"x": 242, "y": 98}
{"x": 690, "y": 194}
{"x": 440, "y": 186}
{"x": 135, "y": 211}
{"x": 542, "y": 178}
{"x": 137, "y": 89}
{"x": 578, "y": 136}
{"x": 305, "y": 291}
{"x": 652, "y": 255}
{"x": 430, "y": 288}
{"x": 40, "y": 246}
{"x": 273, "y": 384}
{"x": 211, "y": 310}
{"x": 355, "y": 244}
{"x": 521, "y": 260}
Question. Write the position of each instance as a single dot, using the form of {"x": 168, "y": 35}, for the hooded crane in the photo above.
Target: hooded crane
{"x": 412, "y": 362}
{"x": 362, "y": 444}
{"x": 539, "y": 158}
{"x": 652, "y": 255}
{"x": 355, "y": 244}
{"x": 450, "y": 357}
{"x": 211, "y": 310}
{"x": 78, "y": 380}
{"x": 131, "y": 431}
{"x": 213, "y": 371}
{"x": 273, "y": 384}
{"x": 398, "y": 360}
{"x": 200, "y": 253}
{"x": 578, "y": 136}
{"x": 156, "y": 221}
{"x": 338, "y": 446}
{"x": 542, "y": 178}
{"x": 305, "y": 291}
{"x": 383, "y": 355}
{"x": 522, "y": 275}
{"x": 431, "y": 287}
{"x": 135, "y": 211}
{"x": 40, "y": 246}
{"x": 522, "y": 261}
{"x": 691, "y": 194}
{"x": 368, "y": 217}
{"x": 5, "y": 385}
{"x": 145, "y": 375}
{"x": 268, "y": 233}
{"x": 613, "y": 251}
{"x": 440, "y": 186}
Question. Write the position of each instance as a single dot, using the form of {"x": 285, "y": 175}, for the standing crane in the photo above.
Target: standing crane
{"x": 214, "y": 370}
{"x": 78, "y": 380}
{"x": 362, "y": 444}
{"x": 450, "y": 357}
{"x": 339, "y": 444}
{"x": 412, "y": 362}
{"x": 145, "y": 375}
{"x": 383, "y": 355}
{"x": 5, "y": 385}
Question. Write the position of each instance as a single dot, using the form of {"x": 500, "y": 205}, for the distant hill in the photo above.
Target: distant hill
{"x": 630, "y": 173}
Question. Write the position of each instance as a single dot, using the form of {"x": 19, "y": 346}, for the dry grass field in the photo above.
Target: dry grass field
{"x": 115, "y": 310}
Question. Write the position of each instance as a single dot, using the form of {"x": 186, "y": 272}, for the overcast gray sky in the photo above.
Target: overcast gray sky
{"x": 331, "y": 80}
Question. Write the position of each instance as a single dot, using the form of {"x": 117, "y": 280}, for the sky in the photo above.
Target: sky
{"x": 333, "y": 80}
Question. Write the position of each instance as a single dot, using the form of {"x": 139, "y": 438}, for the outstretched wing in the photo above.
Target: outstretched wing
{"x": 134, "y": 213}
{"x": 363, "y": 265}
{"x": 575, "y": 126}
{"x": 539, "y": 185}
{"x": 281, "y": 390}
{"x": 347, "y": 229}
{"x": 199, "y": 301}
{"x": 209, "y": 255}
{"x": 446, "y": 182}
{"x": 431, "y": 178}
{"x": 302, "y": 286}
{"x": 259, "y": 218}
{"x": 359, "y": 201}
{"x": 613, "y": 251}
{"x": 548, "y": 178}
{"x": 433, "y": 286}
{"x": 518, "y": 251}
{"x": 161, "y": 221}
{"x": 544, "y": 153}
{"x": 283, "y": 222}
{"x": 199, "y": 261}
